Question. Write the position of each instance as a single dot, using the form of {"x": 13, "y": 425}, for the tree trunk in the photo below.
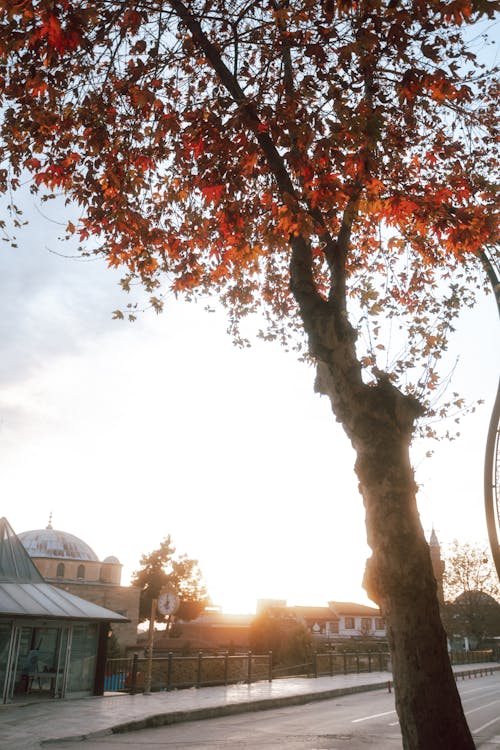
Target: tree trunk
{"x": 380, "y": 420}
{"x": 399, "y": 577}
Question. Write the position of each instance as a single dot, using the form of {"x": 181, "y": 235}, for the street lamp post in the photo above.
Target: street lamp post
{"x": 167, "y": 603}
{"x": 151, "y": 635}
{"x": 492, "y": 456}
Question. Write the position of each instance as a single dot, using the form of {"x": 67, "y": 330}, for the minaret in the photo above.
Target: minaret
{"x": 437, "y": 564}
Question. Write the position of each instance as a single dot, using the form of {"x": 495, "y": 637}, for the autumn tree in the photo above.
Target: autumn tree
{"x": 163, "y": 569}
{"x": 330, "y": 165}
{"x": 471, "y": 592}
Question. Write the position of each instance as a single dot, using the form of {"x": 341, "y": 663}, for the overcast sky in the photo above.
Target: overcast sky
{"x": 129, "y": 432}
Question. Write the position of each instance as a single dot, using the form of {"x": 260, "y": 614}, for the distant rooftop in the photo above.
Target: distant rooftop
{"x": 351, "y": 608}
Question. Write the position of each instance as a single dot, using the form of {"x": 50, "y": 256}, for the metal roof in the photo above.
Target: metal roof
{"x": 24, "y": 593}
{"x": 44, "y": 600}
{"x": 15, "y": 563}
{"x": 51, "y": 542}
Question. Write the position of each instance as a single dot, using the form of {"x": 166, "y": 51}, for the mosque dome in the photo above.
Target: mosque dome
{"x": 111, "y": 560}
{"x": 50, "y": 542}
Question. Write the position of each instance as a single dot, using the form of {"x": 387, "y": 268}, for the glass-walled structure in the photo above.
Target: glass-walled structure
{"x": 48, "y": 659}
{"x": 52, "y": 643}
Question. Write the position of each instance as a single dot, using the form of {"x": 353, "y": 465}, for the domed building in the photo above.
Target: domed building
{"x": 66, "y": 561}
{"x": 61, "y": 556}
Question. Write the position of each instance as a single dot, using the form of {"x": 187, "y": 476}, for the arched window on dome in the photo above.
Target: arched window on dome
{"x": 60, "y": 570}
{"x": 80, "y": 573}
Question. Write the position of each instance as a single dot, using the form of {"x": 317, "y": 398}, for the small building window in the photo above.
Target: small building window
{"x": 80, "y": 573}
{"x": 366, "y": 625}
{"x": 349, "y": 623}
{"x": 333, "y": 627}
{"x": 379, "y": 623}
{"x": 60, "y": 570}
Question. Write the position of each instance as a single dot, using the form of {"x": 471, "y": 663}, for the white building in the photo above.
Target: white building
{"x": 358, "y": 620}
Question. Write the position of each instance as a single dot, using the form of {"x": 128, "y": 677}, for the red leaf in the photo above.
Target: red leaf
{"x": 213, "y": 193}
{"x": 54, "y": 33}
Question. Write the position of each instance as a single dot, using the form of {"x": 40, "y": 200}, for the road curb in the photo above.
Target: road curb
{"x": 264, "y": 704}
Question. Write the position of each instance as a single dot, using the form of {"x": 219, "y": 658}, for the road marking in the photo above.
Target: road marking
{"x": 485, "y": 705}
{"x": 488, "y": 724}
{"x": 470, "y": 694}
{"x": 373, "y": 716}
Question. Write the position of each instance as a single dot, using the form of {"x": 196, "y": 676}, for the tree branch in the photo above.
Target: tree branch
{"x": 248, "y": 109}
{"x": 302, "y": 281}
{"x": 338, "y": 291}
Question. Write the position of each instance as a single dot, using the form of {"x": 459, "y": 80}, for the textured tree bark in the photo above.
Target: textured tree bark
{"x": 379, "y": 420}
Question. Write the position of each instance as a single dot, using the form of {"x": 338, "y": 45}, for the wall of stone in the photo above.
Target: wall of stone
{"x": 74, "y": 570}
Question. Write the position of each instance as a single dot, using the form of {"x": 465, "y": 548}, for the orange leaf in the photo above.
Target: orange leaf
{"x": 213, "y": 193}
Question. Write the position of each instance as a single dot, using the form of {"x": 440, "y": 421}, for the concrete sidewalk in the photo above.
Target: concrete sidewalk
{"x": 31, "y": 725}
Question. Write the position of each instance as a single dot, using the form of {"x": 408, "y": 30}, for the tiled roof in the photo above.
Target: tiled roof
{"x": 351, "y": 608}
{"x": 314, "y": 613}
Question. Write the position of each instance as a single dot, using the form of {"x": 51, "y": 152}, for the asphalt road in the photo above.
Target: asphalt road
{"x": 366, "y": 721}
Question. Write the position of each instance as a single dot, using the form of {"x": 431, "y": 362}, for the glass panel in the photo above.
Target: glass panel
{"x": 62, "y": 665}
{"x": 5, "y": 639}
{"x": 26, "y": 662}
{"x": 83, "y": 658}
{"x": 37, "y": 662}
{"x": 47, "y": 641}
{"x": 11, "y": 665}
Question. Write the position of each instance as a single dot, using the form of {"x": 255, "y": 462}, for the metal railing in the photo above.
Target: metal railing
{"x": 471, "y": 657}
{"x": 351, "y": 663}
{"x": 173, "y": 672}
